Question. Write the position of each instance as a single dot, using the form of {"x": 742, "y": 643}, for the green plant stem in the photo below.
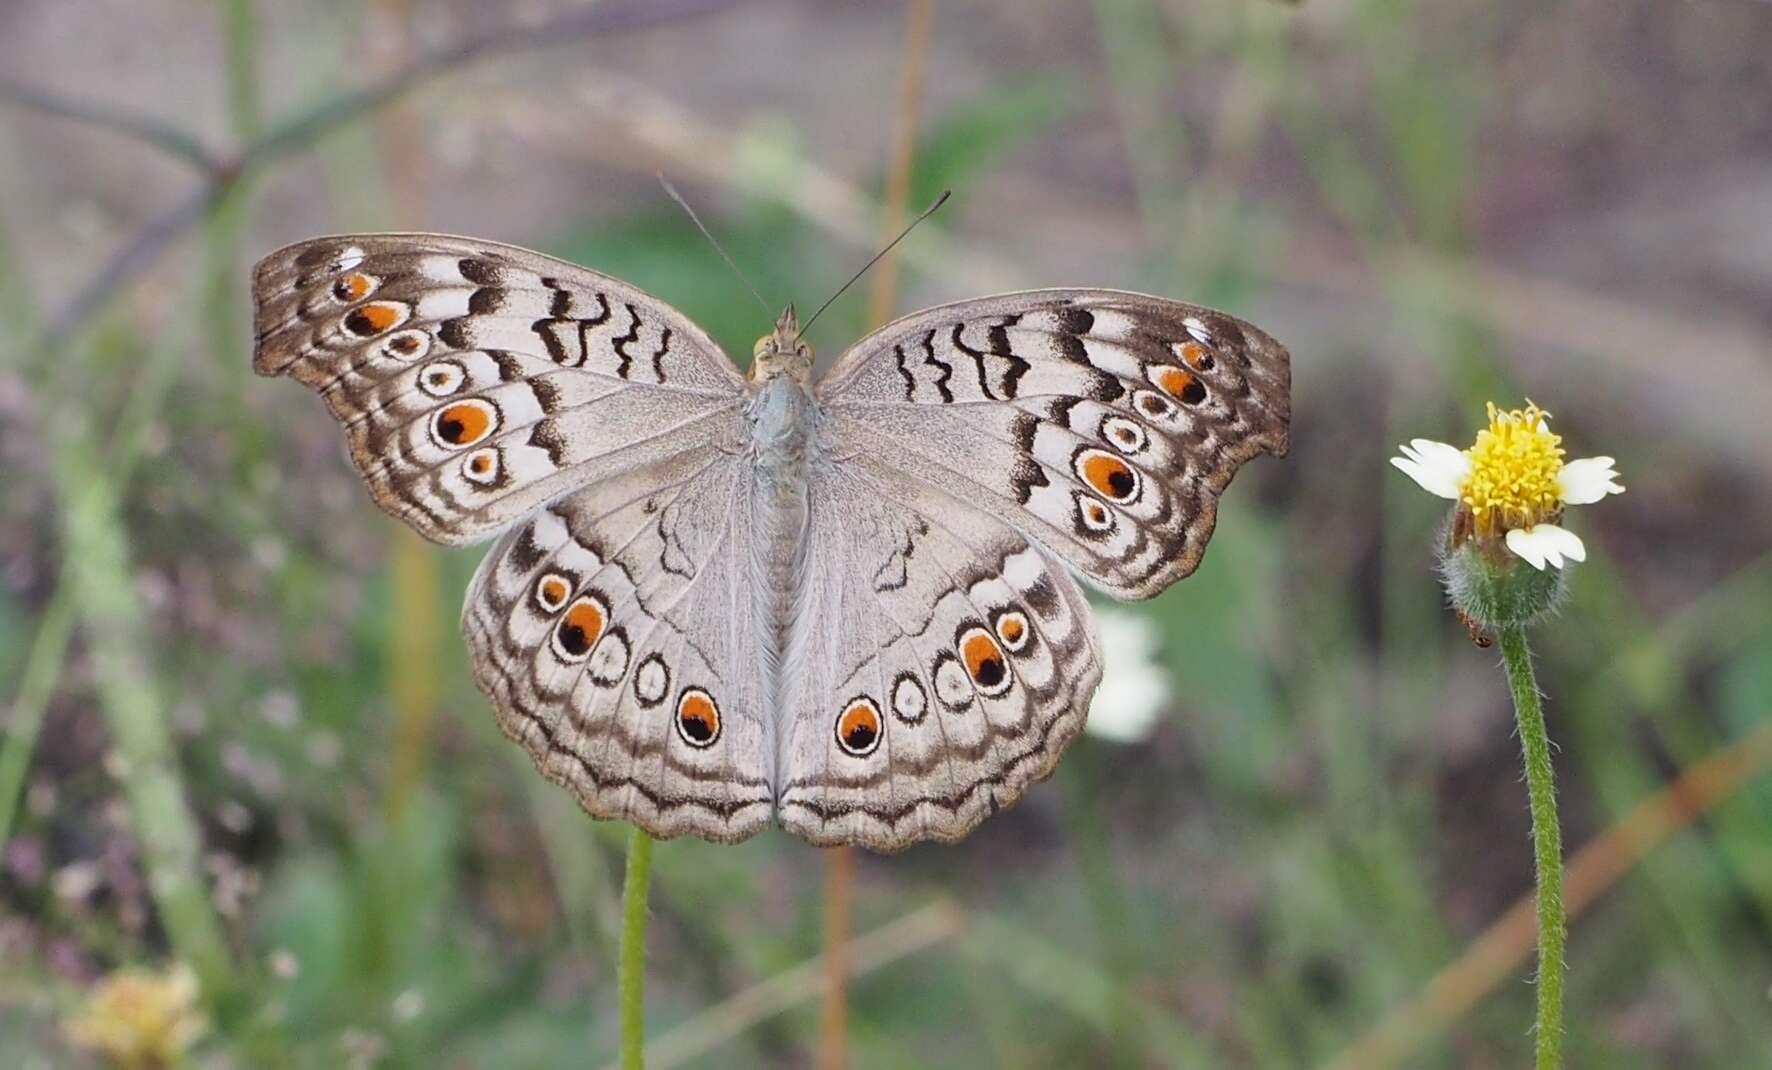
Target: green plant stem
{"x": 631, "y": 975}
{"x": 1547, "y": 843}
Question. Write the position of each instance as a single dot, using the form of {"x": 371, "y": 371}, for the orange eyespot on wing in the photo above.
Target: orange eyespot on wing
{"x": 376, "y": 317}
{"x": 579, "y": 630}
{"x": 1178, "y": 383}
{"x": 1195, "y": 355}
{"x": 1093, "y": 518}
{"x": 353, "y": 287}
{"x": 859, "y": 727}
{"x": 1107, "y": 475}
{"x": 1153, "y": 405}
{"x": 984, "y": 661}
{"x": 1012, "y": 629}
{"x": 1127, "y": 436}
{"x": 551, "y": 592}
{"x": 464, "y": 423}
{"x": 698, "y": 718}
{"x": 408, "y": 344}
{"x": 482, "y": 466}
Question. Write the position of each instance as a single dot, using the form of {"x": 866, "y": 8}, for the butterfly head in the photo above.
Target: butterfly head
{"x": 781, "y": 352}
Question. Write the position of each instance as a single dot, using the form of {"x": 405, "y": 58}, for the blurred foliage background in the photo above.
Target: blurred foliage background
{"x": 241, "y": 745}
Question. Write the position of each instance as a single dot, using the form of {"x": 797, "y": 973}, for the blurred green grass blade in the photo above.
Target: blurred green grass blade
{"x": 132, "y": 699}
{"x": 42, "y": 669}
{"x": 37, "y": 682}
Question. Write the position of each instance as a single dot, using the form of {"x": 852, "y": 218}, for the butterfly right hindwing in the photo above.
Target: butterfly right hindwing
{"x": 944, "y": 664}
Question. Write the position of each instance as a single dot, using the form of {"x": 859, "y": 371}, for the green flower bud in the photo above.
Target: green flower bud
{"x": 1491, "y": 588}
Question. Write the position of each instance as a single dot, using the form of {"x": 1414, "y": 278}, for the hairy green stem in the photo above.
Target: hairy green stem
{"x": 1547, "y": 843}
{"x": 631, "y": 975}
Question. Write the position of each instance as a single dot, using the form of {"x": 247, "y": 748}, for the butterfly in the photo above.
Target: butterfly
{"x": 720, "y": 598}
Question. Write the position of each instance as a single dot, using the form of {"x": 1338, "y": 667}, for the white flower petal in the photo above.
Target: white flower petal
{"x": 1567, "y": 543}
{"x": 1436, "y": 467}
{"x": 1134, "y": 686}
{"x": 1546, "y": 543}
{"x": 1588, "y": 480}
{"x": 1520, "y": 541}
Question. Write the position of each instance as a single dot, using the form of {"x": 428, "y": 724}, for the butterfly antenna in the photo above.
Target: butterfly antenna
{"x": 925, "y": 214}
{"x": 693, "y": 218}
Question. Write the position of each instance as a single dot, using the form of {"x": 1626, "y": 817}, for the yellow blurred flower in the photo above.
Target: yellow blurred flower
{"x": 139, "y": 1019}
{"x": 1512, "y": 484}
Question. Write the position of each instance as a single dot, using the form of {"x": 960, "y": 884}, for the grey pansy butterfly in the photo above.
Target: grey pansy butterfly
{"x": 718, "y": 597}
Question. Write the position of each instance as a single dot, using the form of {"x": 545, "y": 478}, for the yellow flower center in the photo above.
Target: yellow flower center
{"x": 1515, "y": 462}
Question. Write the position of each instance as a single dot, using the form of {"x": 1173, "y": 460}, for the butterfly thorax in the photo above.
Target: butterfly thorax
{"x": 781, "y": 354}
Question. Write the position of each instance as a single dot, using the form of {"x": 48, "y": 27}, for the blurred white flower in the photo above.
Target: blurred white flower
{"x": 1134, "y": 685}
{"x": 408, "y": 1005}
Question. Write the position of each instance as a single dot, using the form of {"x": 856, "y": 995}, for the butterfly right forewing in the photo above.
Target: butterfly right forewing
{"x": 1103, "y": 423}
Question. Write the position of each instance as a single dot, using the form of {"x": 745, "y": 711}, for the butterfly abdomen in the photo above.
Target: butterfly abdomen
{"x": 780, "y": 422}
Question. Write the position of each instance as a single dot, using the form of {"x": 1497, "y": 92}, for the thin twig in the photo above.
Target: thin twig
{"x": 904, "y": 145}
{"x": 598, "y": 20}
{"x": 297, "y": 133}
{"x": 415, "y": 639}
{"x": 136, "y": 257}
{"x": 839, "y": 889}
{"x": 146, "y": 128}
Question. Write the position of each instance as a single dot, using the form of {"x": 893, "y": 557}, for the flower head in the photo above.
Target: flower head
{"x": 1512, "y": 484}
{"x": 139, "y": 1019}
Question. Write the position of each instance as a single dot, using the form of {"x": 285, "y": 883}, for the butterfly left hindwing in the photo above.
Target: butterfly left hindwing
{"x": 613, "y": 632}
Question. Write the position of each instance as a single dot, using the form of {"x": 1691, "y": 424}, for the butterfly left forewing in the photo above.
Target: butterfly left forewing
{"x": 476, "y": 380}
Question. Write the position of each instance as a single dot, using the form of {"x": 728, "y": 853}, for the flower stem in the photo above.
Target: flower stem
{"x": 1547, "y": 842}
{"x": 631, "y": 974}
